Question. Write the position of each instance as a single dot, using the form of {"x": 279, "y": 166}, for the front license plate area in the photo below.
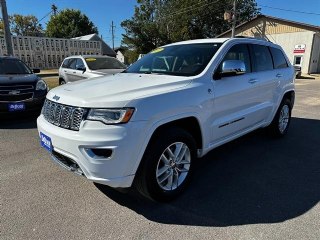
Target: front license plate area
{"x": 46, "y": 142}
{"x": 13, "y": 107}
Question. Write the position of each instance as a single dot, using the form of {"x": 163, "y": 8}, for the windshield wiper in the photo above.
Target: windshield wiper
{"x": 150, "y": 72}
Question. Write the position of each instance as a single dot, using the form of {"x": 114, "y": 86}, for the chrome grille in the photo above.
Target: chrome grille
{"x": 16, "y": 93}
{"x": 63, "y": 116}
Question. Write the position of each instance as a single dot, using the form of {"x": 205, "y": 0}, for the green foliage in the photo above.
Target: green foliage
{"x": 130, "y": 56}
{"x": 159, "y": 22}
{"x": 69, "y": 23}
{"x": 23, "y": 25}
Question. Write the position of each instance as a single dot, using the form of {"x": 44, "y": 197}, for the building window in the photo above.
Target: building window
{"x": 297, "y": 60}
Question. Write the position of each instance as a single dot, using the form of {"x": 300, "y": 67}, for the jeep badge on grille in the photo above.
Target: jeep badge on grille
{"x": 56, "y": 98}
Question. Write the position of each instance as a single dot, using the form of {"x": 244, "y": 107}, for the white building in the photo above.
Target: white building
{"x": 48, "y": 53}
{"x": 300, "y": 41}
{"x": 120, "y": 56}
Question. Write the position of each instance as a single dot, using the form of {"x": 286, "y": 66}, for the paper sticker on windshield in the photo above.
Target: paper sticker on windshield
{"x": 91, "y": 59}
{"x": 157, "y": 50}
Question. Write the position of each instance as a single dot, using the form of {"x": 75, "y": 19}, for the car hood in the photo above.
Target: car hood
{"x": 107, "y": 71}
{"x": 18, "y": 79}
{"x": 115, "y": 90}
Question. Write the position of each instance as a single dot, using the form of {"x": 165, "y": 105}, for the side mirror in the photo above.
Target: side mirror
{"x": 36, "y": 70}
{"x": 233, "y": 67}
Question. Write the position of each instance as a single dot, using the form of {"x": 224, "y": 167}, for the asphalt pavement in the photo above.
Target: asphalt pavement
{"x": 253, "y": 188}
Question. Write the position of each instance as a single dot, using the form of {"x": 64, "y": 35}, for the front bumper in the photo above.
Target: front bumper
{"x": 33, "y": 105}
{"x": 117, "y": 170}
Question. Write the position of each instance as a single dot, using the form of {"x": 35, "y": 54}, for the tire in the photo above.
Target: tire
{"x": 162, "y": 177}
{"x": 61, "y": 82}
{"x": 281, "y": 121}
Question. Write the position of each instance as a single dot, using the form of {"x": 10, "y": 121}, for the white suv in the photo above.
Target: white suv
{"x": 76, "y": 68}
{"x": 147, "y": 126}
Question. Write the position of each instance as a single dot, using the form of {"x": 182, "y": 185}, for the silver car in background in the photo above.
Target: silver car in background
{"x": 76, "y": 68}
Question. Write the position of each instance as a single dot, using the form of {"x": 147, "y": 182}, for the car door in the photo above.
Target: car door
{"x": 267, "y": 79}
{"x": 68, "y": 71}
{"x": 80, "y": 70}
{"x": 74, "y": 73}
{"x": 234, "y": 98}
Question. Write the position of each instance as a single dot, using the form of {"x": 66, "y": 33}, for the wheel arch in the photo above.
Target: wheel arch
{"x": 289, "y": 95}
{"x": 190, "y": 124}
{"x": 60, "y": 80}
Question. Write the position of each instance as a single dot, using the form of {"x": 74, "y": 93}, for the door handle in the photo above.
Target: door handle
{"x": 252, "y": 80}
{"x": 65, "y": 70}
{"x": 73, "y": 72}
{"x": 279, "y": 75}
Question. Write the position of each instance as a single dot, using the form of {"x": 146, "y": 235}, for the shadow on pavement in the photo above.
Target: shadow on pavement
{"x": 252, "y": 180}
{"x": 19, "y": 121}
{"x": 305, "y": 77}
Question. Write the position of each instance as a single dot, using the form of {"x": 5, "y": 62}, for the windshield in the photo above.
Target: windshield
{"x": 95, "y": 63}
{"x": 178, "y": 60}
{"x": 13, "y": 66}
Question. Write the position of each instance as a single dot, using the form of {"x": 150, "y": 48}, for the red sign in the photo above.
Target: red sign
{"x": 300, "y": 48}
{"x": 299, "y": 51}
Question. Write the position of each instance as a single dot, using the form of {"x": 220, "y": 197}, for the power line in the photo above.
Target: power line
{"x": 289, "y": 10}
{"x": 188, "y": 9}
{"x": 44, "y": 17}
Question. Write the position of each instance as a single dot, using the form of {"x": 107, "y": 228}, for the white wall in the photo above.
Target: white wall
{"x": 288, "y": 40}
{"x": 46, "y": 53}
{"x": 120, "y": 56}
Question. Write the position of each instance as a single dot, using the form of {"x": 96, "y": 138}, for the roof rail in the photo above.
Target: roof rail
{"x": 263, "y": 39}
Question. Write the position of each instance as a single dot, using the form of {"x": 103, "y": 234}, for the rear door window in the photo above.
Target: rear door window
{"x": 261, "y": 58}
{"x": 279, "y": 60}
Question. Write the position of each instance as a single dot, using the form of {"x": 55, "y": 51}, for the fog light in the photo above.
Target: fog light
{"x": 102, "y": 152}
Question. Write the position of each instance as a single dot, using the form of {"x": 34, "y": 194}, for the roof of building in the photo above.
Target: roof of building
{"x": 116, "y": 49}
{"x": 85, "y": 37}
{"x": 106, "y": 50}
{"x": 310, "y": 27}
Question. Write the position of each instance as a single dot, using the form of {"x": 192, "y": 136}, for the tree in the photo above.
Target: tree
{"x": 158, "y": 22}
{"x": 143, "y": 31}
{"x": 70, "y": 23}
{"x": 23, "y": 25}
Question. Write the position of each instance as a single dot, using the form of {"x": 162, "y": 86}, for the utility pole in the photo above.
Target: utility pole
{"x": 7, "y": 33}
{"x": 54, "y": 9}
{"x": 234, "y": 18}
{"x": 112, "y": 33}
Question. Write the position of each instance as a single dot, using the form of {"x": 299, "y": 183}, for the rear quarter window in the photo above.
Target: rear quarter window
{"x": 279, "y": 60}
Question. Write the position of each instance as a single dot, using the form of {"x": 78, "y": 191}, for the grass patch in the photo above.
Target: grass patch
{"x": 52, "y": 81}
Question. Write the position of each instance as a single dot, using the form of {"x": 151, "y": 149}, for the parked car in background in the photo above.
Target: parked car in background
{"x": 21, "y": 90}
{"x": 88, "y": 66}
{"x": 298, "y": 71}
{"x": 147, "y": 126}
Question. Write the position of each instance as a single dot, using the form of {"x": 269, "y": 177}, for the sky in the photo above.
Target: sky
{"x": 103, "y": 12}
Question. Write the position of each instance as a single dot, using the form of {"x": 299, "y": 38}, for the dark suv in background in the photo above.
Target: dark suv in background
{"x": 21, "y": 90}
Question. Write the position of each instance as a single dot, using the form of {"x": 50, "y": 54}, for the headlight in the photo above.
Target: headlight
{"x": 111, "y": 116}
{"x": 41, "y": 85}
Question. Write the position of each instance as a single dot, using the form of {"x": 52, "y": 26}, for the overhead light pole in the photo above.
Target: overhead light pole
{"x": 7, "y": 33}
